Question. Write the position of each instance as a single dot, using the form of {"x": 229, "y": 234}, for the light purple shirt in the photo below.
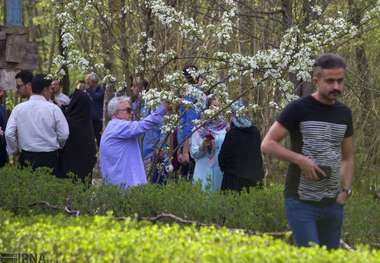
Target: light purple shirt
{"x": 120, "y": 155}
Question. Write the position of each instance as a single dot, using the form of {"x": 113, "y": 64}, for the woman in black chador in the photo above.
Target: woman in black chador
{"x": 240, "y": 156}
{"x": 79, "y": 154}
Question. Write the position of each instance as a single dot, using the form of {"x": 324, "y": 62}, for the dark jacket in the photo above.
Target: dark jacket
{"x": 97, "y": 99}
{"x": 79, "y": 153}
{"x": 240, "y": 155}
{"x": 3, "y": 151}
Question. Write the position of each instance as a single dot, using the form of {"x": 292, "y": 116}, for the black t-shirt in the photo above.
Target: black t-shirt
{"x": 316, "y": 130}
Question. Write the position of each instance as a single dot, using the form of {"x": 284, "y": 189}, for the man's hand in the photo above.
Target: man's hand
{"x": 1, "y": 132}
{"x": 341, "y": 197}
{"x": 309, "y": 168}
{"x": 183, "y": 158}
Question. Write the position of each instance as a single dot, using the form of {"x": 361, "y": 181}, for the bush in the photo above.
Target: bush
{"x": 259, "y": 210}
{"x": 103, "y": 239}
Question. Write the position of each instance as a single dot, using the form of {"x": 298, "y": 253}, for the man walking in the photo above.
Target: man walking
{"x": 37, "y": 128}
{"x": 319, "y": 177}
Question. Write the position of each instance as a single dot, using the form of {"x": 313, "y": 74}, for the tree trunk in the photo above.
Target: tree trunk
{"x": 53, "y": 42}
{"x": 65, "y": 81}
{"x": 361, "y": 60}
{"x": 123, "y": 46}
{"x": 148, "y": 26}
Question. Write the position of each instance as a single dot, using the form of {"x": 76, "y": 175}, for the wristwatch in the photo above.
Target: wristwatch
{"x": 348, "y": 191}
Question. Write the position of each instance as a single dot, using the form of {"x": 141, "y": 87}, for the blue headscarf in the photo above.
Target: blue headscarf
{"x": 239, "y": 121}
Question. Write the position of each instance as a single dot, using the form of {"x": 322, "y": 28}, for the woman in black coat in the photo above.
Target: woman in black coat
{"x": 240, "y": 156}
{"x": 79, "y": 153}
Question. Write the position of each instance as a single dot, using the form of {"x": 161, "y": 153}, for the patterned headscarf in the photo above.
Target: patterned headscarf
{"x": 239, "y": 121}
{"x": 212, "y": 127}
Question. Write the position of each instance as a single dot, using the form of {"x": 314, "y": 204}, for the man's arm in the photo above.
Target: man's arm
{"x": 346, "y": 168}
{"x": 271, "y": 145}
{"x": 129, "y": 129}
{"x": 11, "y": 134}
{"x": 62, "y": 127}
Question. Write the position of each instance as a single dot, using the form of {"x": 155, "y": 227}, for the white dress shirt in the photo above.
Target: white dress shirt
{"x": 36, "y": 126}
{"x": 62, "y": 99}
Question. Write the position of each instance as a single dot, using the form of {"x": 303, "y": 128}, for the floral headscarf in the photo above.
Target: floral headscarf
{"x": 238, "y": 120}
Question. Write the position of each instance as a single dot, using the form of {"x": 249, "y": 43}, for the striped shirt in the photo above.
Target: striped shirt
{"x": 316, "y": 130}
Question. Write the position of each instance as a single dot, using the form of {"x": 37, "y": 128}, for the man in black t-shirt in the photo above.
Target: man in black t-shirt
{"x": 320, "y": 172}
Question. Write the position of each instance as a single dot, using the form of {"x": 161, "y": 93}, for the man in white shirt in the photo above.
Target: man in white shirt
{"x": 37, "y": 128}
{"x": 59, "y": 98}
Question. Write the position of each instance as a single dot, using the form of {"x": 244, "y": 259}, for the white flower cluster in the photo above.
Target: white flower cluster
{"x": 109, "y": 79}
{"x": 154, "y": 97}
{"x": 67, "y": 40}
{"x": 174, "y": 79}
{"x": 198, "y": 96}
{"x": 225, "y": 29}
{"x": 73, "y": 26}
{"x": 167, "y": 55}
{"x": 169, "y": 16}
{"x": 170, "y": 123}
{"x": 317, "y": 10}
{"x": 150, "y": 48}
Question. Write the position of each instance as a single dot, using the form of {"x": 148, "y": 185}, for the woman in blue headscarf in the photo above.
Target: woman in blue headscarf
{"x": 240, "y": 155}
{"x": 205, "y": 147}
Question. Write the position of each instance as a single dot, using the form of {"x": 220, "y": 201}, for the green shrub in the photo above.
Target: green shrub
{"x": 259, "y": 210}
{"x": 103, "y": 239}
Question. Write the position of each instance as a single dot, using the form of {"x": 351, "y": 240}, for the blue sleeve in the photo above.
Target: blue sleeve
{"x": 129, "y": 129}
{"x": 186, "y": 122}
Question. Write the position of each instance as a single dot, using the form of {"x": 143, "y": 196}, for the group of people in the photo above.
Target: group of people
{"x": 227, "y": 156}
{"x": 53, "y": 130}
{"x": 218, "y": 155}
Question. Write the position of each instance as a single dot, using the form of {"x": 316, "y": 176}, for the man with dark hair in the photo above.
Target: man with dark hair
{"x": 320, "y": 172}
{"x": 24, "y": 83}
{"x": 37, "y": 128}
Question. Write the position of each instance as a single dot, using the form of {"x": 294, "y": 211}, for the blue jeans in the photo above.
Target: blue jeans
{"x": 311, "y": 223}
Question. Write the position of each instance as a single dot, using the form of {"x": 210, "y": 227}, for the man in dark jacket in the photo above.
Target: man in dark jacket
{"x": 240, "y": 156}
{"x": 96, "y": 93}
{"x": 3, "y": 151}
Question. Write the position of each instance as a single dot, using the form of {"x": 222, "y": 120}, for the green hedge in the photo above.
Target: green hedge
{"x": 259, "y": 210}
{"x": 103, "y": 239}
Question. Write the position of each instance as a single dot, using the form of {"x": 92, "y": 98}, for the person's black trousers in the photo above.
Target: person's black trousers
{"x": 39, "y": 159}
{"x": 98, "y": 126}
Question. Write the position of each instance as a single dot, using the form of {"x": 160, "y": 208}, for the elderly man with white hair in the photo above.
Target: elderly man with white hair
{"x": 120, "y": 155}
